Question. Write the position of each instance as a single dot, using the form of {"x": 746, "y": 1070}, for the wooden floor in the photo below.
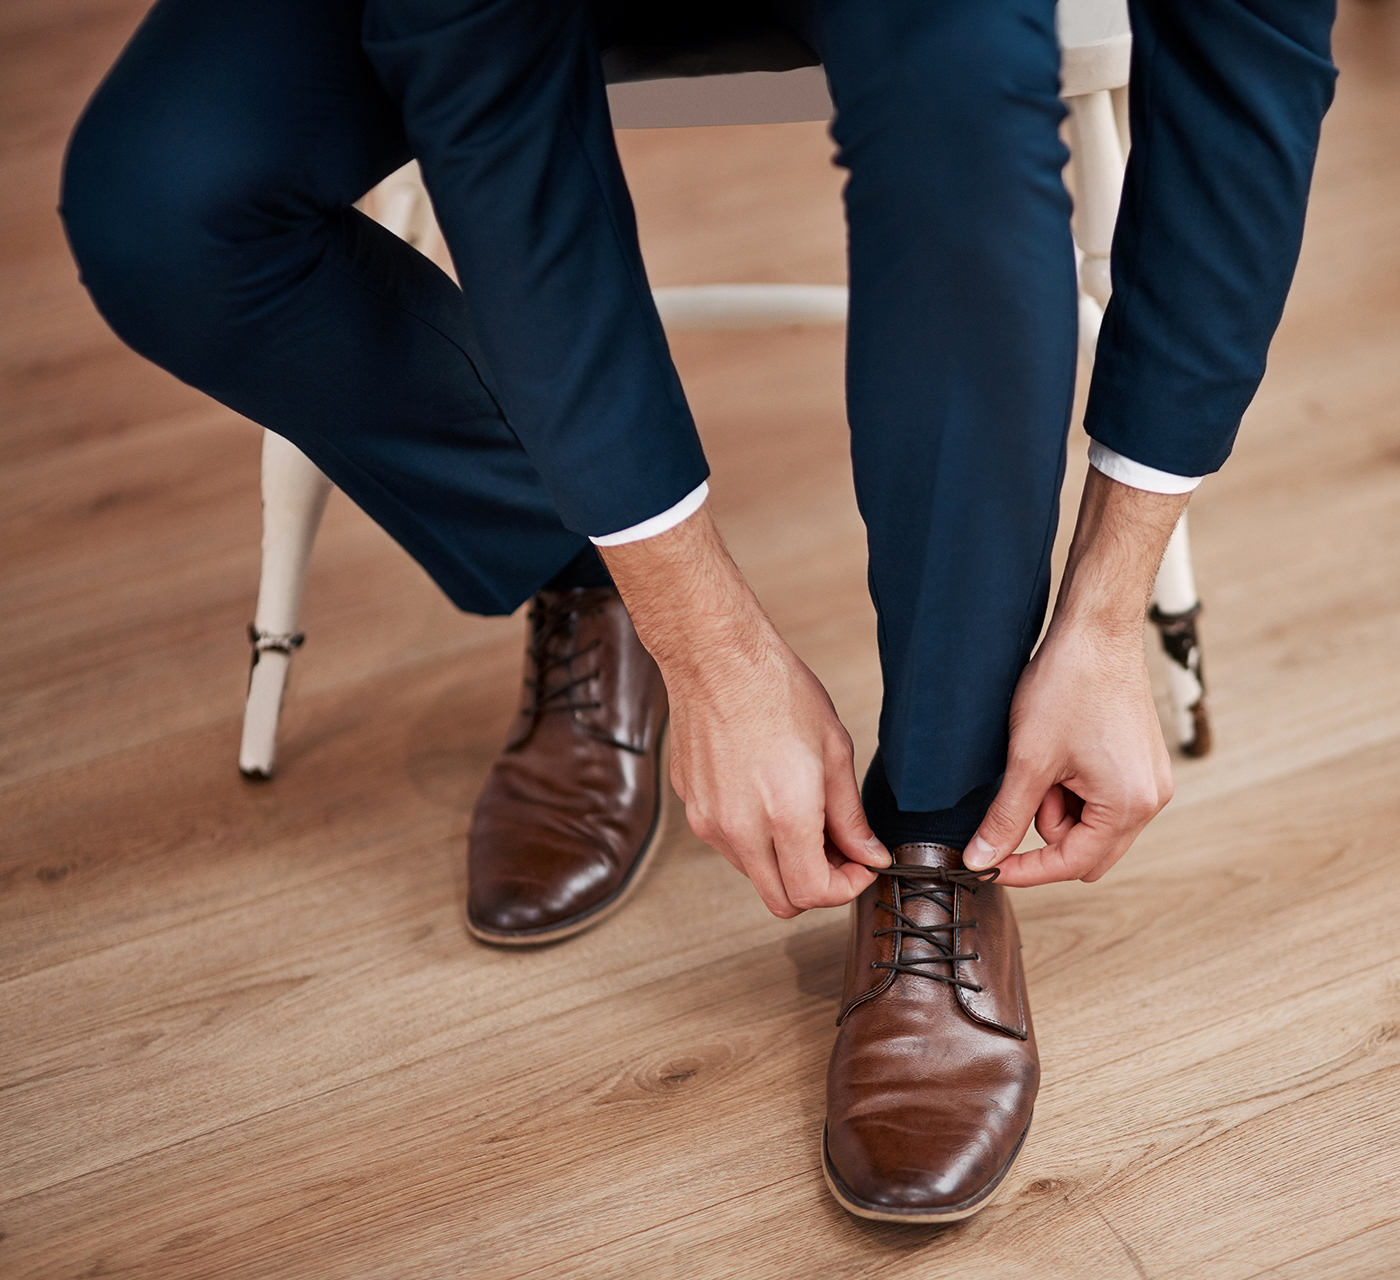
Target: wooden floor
{"x": 242, "y": 1031}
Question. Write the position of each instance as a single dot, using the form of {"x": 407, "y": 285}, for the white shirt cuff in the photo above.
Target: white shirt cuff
{"x": 1135, "y": 475}
{"x": 668, "y": 519}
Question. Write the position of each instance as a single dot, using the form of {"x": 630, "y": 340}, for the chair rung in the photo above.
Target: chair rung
{"x": 750, "y": 306}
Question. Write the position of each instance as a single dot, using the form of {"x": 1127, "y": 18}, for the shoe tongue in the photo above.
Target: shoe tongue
{"x": 928, "y": 855}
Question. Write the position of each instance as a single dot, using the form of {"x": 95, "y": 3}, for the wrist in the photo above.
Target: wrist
{"x": 687, "y": 599}
{"x": 1118, "y": 543}
{"x": 1109, "y": 611}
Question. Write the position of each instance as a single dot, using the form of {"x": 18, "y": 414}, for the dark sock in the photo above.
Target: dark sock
{"x": 585, "y": 570}
{"x": 896, "y": 826}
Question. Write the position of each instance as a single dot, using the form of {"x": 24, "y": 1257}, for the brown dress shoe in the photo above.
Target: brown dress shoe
{"x": 570, "y": 816}
{"x": 934, "y": 1074}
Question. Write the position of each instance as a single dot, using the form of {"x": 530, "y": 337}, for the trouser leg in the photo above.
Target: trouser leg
{"x": 207, "y": 198}
{"x": 505, "y": 108}
{"x": 1226, "y": 104}
{"x": 961, "y": 358}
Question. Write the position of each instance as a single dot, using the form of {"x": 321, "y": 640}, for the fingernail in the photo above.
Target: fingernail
{"x": 979, "y": 855}
{"x": 882, "y": 854}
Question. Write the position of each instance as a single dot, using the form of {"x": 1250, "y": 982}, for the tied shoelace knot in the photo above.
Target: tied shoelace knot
{"x": 553, "y": 635}
{"x": 940, "y": 885}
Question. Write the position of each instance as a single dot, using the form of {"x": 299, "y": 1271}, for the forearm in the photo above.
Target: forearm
{"x": 686, "y": 596}
{"x": 1119, "y": 540}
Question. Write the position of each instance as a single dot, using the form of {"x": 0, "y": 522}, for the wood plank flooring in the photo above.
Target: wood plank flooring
{"x": 242, "y": 1032}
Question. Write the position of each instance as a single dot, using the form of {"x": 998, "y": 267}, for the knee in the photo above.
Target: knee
{"x": 147, "y": 205}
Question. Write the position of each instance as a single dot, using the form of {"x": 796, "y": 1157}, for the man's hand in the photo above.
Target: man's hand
{"x": 757, "y": 753}
{"x": 1086, "y": 758}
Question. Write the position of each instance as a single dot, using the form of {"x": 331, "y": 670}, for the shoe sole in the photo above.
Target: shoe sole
{"x": 624, "y": 891}
{"x": 852, "y": 1203}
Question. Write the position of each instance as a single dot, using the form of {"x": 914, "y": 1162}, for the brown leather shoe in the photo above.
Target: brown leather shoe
{"x": 934, "y": 1074}
{"x": 570, "y": 816}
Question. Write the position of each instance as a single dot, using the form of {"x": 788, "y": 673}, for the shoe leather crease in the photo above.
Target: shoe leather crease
{"x": 574, "y": 799}
{"x": 935, "y": 1071}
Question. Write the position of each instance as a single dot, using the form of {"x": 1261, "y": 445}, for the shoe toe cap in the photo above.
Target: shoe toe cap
{"x": 539, "y": 889}
{"x": 933, "y": 1162}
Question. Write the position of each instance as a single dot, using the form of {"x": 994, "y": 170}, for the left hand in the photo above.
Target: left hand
{"x": 1086, "y": 761}
{"x": 1086, "y": 758}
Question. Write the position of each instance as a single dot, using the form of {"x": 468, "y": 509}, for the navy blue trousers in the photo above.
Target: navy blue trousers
{"x": 208, "y": 195}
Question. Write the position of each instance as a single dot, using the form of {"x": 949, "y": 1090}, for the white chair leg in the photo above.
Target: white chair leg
{"x": 1120, "y": 118}
{"x": 1090, "y": 322}
{"x": 294, "y": 494}
{"x": 1175, "y": 607}
{"x": 1097, "y": 162}
{"x": 401, "y": 204}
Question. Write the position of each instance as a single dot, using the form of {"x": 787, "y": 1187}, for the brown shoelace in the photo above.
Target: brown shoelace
{"x": 940, "y": 884}
{"x": 554, "y": 632}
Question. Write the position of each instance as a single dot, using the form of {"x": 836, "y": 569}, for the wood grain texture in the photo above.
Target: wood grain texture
{"x": 242, "y": 1032}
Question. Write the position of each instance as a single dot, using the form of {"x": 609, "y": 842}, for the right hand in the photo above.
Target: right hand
{"x": 758, "y": 755}
{"x": 766, "y": 772}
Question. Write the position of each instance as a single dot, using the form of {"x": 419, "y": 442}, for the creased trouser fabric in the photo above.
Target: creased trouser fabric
{"x": 207, "y": 198}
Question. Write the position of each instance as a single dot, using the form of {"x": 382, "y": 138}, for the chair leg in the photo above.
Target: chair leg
{"x": 1175, "y": 607}
{"x": 1097, "y": 166}
{"x": 401, "y": 204}
{"x": 294, "y": 494}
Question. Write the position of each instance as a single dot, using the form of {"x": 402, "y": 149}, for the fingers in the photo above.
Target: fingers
{"x": 1022, "y": 790}
{"x": 1088, "y": 847}
{"x": 1058, "y": 813}
{"x": 749, "y": 851}
{"x": 846, "y": 826}
{"x": 1082, "y": 853}
{"x": 809, "y": 879}
{"x": 786, "y": 846}
{"x": 825, "y": 856}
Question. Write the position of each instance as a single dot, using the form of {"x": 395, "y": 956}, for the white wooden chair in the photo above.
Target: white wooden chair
{"x": 1096, "y": 44}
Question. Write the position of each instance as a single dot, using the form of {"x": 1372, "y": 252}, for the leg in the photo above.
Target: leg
{"x": 960, "y": 373}
{"x": 208, "y": 197}
{"x": 504, "y": 105}
{"x": 961, "y": 359}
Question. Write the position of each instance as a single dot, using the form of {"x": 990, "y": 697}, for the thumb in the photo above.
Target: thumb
{"x": 846, "y": 826}
{"x": 1009, "y": 818}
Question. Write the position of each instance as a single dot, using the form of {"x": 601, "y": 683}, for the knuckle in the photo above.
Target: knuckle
{"x": 1144, "y": 805}
{"x": 702, "y": 824}
{"x": 735, "y": 834}
{"x": 784, "y": 821}
{"x": 841, "y": 747}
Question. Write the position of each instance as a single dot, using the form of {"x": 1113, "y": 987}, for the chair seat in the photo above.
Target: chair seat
{"x": 707, "y": 62}
{"x": 646, "y": 40}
